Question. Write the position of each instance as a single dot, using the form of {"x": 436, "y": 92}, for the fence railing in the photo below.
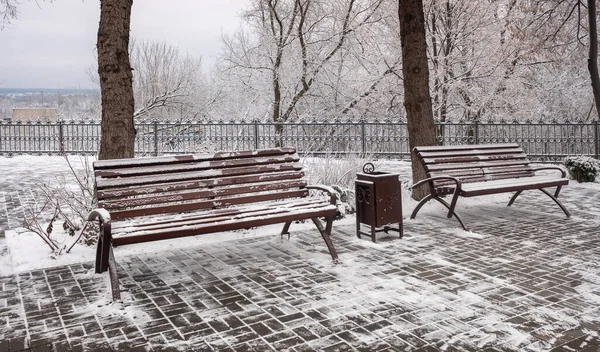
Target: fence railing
{"x": 542, "y": 141}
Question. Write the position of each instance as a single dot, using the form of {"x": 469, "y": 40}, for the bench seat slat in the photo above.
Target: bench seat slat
{"x": 511, "y": 185}
{"x": 228, "y": 225}
{"x": 203, "y": 194}
{"x": 176, "y": 221}
{"x": 193, "y": 175}
{"x": 196, "y": 166}
{"x": 214, "y": 182}
{"x": 107, "y": 164}
{"x": 206, "y": 204}
{"x": 159, "y": 219}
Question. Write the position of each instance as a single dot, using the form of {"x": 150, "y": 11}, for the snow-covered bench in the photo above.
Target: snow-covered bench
{"x": 157, "y": 198}
{"x": 475, "y": 170}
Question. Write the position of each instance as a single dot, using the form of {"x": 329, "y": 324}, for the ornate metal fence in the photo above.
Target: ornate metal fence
{"x": 543, "y": 141}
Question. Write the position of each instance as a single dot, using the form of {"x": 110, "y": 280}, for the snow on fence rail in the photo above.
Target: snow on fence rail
{"x": 542, "y": 141}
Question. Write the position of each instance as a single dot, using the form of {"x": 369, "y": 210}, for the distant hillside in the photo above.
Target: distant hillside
{"x": 12, "y": 91}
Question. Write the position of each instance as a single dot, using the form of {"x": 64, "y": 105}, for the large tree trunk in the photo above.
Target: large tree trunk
{"x": 417, "y": 101}
{"x": 593, "y": 59}
{"x": 116, "y": 86}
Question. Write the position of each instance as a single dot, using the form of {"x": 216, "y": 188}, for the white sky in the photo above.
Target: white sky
{"x": 51, "y": 45}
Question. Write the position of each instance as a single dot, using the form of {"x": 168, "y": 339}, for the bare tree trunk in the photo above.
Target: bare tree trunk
{"x": 593, "y": 59}
{"x": 116, "y": 86}
{"x": 417, "y": 101}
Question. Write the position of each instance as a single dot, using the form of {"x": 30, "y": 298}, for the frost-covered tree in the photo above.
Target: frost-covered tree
{"x": 166, "y": 84}
{"x": 310, "y": 58}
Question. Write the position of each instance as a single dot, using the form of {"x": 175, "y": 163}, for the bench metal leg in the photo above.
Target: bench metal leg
{"x": 114, "y": 277}
{"x": 326, "y": 232}
{"x": 557, "y": 202}
{"x": 286, "y": 229}
{"x": 103, "y": 250}
{"x": 513, "y": 198}
{"x": 451, "y": 211}
{"x": 420, "y": 205}
{"x": 553, "y": 197}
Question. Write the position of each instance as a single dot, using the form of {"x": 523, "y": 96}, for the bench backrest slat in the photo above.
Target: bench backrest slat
{"x": 195, "y": 184}
{"x": 149, "y": 186}
{"x": 178, "y": 159}
{"x": 206, "y": 204}
{"x": 473, "y": 163}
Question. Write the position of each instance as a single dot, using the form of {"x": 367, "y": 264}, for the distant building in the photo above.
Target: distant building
{"x": 34, "y": 114}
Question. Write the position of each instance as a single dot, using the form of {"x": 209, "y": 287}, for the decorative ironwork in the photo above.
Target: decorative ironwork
{"x": 542, "y": 141}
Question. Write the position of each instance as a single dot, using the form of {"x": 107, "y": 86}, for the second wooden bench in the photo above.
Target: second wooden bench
{"x": 476, "y": 170}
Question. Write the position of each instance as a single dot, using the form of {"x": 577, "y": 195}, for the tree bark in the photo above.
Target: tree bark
{"x": 116, "y": 82}
{"x": 593, "y": 58}
{"x": 417, "y": 100}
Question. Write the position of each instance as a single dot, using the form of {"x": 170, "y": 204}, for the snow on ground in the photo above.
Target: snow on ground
{"x": 28, "y": 251}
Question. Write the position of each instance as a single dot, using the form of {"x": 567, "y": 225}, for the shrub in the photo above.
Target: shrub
{"x": 339, "y": 172}
{"x": 582, "y": 169}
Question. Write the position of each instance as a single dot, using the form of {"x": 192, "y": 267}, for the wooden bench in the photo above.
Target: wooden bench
{"x": 476, "y": 170}
{"x": 157, "y": 198}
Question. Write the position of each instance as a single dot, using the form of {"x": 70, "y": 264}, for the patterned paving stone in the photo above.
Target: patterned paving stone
{"x": 525, "y": 279}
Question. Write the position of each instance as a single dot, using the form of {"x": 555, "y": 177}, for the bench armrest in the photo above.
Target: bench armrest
{"x": 564, "y": 173}
{"x": 327, "y": 189}
{"x": 101, "y": 214}
{"x": 455, "y": 195}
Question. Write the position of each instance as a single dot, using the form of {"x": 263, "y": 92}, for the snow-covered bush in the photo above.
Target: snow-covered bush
{"x": 69, "y": 203}
{"x": 582, "y": 168}
{"x": 339, "y": 172}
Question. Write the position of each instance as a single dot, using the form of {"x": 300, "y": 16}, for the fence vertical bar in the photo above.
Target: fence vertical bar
{"x": 155, "y": 138}
{"x": 255, "y": 134}
{"x": 61, "y": 146}
{"x": 476, "y": 131}
{"x": 362, "y": 136}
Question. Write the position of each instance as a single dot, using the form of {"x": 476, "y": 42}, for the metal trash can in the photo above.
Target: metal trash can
{"x": 378, "y": 202}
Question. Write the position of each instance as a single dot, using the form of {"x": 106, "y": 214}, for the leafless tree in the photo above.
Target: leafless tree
{"x": 116, "y": 87}
{"x": 299, "y": 45}
{"x": 417, "y": 99}
{"x": 163, "y": 80}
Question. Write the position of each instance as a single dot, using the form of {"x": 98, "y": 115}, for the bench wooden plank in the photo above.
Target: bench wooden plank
{"x": 473, "y": 158}
{"x": 229, "y": 225}
{"x": 468, "y": 147}
{"x": 161, "y": 160}
{"x": 464, "y": 152}
{"x": 187, "y": 176}
{"x": 476, "y": 165}
{"x": 198, "y": 166}
{"x": 178, "y": 222}
{"x": 211, "y": 193}
{"x": 186, "y": 185}
{"x": 206, "y": 204}
{"x": 151, "y": 220}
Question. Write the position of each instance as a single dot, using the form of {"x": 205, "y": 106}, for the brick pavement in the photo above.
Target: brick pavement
{"x": 526, "y": 279}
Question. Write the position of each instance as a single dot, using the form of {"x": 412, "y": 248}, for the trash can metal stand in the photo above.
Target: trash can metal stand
{"x": 378, "y": 203}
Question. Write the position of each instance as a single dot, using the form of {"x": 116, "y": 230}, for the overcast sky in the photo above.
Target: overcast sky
{"x": 51, "y": 46}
